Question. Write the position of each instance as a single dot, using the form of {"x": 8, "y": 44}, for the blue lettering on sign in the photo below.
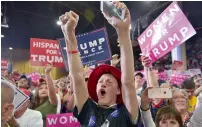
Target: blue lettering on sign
{"x": 93, "y": 48}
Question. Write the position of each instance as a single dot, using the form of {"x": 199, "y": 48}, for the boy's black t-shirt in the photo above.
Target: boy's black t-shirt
{"x": 92, "y": 115}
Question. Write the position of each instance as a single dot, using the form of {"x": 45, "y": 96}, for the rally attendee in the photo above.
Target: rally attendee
{"x": 189, "y": 86}
{"x": 23, "y": 82}
{"x": 62, "y": 88}
{"x": 26, "y": 117}
{"x": 7, "y": 98}
{"x": 179, "y": 101}
{"x": 70, "y": 103}
{"x": 105, "y": 107}
{"x": 168, "y": 117}
{"x": 65, "y": 94}
{"x": 45, "y": 99}
{"x": 196, "y": 118}
{"x": 138, "y": 82}
{"x": 152, "y": 81}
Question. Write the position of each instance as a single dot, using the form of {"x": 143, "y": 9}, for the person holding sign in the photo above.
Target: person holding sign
{"x": 109, "y": 99}
{"x": 26, "y": 117}
{"x": 45, "y": 99}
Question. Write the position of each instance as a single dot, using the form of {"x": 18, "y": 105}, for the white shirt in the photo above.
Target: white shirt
{"x": 30, "y": 118}
{"x": 59, "y": 104}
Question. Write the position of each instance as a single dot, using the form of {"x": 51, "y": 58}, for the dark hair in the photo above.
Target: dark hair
{"x": 175, "y": 86}
{"x": 139, "y": 74}
{"x": 188, "y": 84}
{"x": 168, "y": 112}
{"x": 23, "y": 76}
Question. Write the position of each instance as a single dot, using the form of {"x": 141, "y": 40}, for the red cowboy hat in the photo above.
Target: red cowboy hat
{"x": 95, "y": 76}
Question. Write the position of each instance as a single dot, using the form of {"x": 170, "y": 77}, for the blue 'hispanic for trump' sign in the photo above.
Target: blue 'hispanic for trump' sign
{"x": 93, "y": 47}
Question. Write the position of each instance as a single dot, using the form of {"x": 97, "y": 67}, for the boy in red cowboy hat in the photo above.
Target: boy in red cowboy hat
{"x": 113, "y": 101}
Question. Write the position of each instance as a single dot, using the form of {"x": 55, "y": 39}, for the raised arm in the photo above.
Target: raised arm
{"x": 69, "y": 22}
{"x": 127, "y": 59}
{"x": 151, "y": 77}
{"x": 51, "y": 89}
{"x": 145, "y": 109}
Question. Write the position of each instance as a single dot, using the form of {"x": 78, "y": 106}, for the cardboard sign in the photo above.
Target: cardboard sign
{"x": 193, "y": 72}
{"x": 93, "y": 47}
{"x": 170, "y": 29}
{"x": 163, "y": 75}
{"x": 34, "y": 76}
{"x": 177, "y": 65}
{"x": 4, "y": 64}
{"x": 61, "y": 120}
{"x": 178, "y": 78}
{"x": 20, "y": 98}
{"x": 44, "y": 51}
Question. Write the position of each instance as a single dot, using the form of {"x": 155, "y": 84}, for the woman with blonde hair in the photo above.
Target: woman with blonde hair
{"x": 179, "y": 102}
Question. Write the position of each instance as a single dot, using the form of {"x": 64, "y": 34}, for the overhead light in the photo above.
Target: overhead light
{"x": 59, "y": 23}
{"x": 2, "y": 35}
{"x": 10, "y": 48}
{"x": 4, "y": 23}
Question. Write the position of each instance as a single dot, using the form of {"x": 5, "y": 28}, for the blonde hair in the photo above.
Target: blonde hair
{"x": 170, "y": 101}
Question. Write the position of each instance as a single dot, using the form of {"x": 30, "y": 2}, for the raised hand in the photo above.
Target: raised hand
{"x": 69, "y": 22}
{"x": 146, "y": 62}
{"x": 119, "y": 25}
{"x": 115, "y": 60}
{"x": 145, "y": 100}
{"x": 48, "y": 68}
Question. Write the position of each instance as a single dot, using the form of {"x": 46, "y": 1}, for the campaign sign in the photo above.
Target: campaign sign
{"x": 93, "y": 47}
{"x": 20, "y": 98}
{"x": 193, "y": 72}
{"x": 61, "y": 120}
{"x": 177, "y": 65}
{"x": 178, "y": 78}
{"x": 163, "y": 75}
{"x": 44, "y": 51}
{"x": 170, "y": 29}
{"x": 34, "y": 76}
{"x": 4, "y": 64}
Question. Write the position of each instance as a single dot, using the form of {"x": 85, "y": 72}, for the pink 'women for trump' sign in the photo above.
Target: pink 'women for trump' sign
{"x": 61, "y": 120}
{"x": 170, "y": 29}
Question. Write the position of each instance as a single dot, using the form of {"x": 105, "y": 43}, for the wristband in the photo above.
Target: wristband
{"x": 144, "y": 109}
{"x": 72, "y": 51}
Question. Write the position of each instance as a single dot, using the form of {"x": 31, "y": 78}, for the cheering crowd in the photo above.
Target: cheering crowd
{"x": 109, "y": 97}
